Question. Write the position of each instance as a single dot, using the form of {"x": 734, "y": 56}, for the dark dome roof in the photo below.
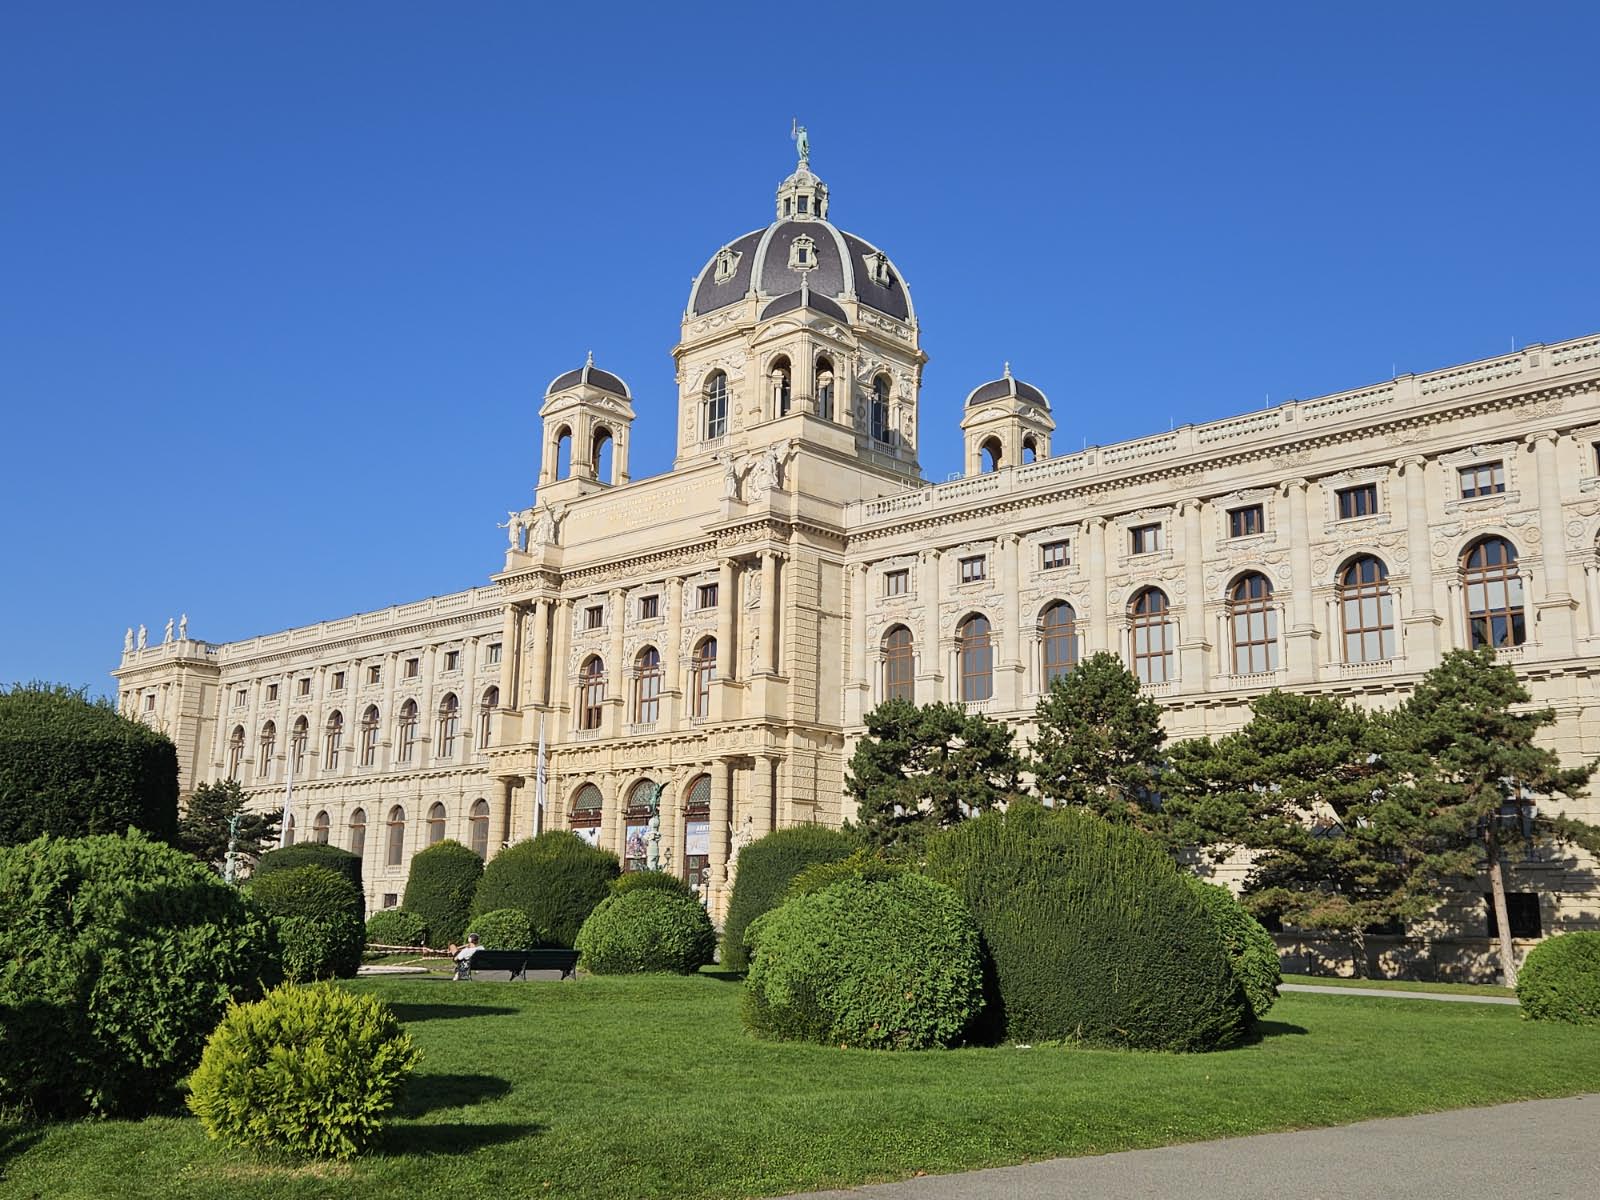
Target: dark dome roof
{"x": 798, "y": 300}
{"x": 594, "y": 377}
{"x": 840, "y": 270}
{"x": 1006, "y": 387}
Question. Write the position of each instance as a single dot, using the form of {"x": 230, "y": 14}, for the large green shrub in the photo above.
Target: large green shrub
{"x": 1092, "y": 932}
{"x": 320, "y": 854}
{"x": 646, "y": 929}
{"x": 314, "y": 909}
{"x": 309, "y": 1070}
{"x": 1251, "y": 950}
{"x": 891, "y": 962}
{"x": 863, "y": 864}
{"x": 765, "y": 869}
{"x": 117, "y": 956}
{"x": 631, "y": 880}
{"x": 1560, "y": 980}
{"x": 443, "y": 881}
{"x": 71, "y": 767}
{"x": 396, "y": 927}
{"x": 556, "y": 879}
{"x": 504, "y": 929}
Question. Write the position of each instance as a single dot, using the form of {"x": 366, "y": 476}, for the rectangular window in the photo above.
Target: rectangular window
{"x": 150, "y": 702}
{"x": 303, "y": 687}
{"x": 1361, "y": 501}
{"x": 1054, "y": 555}
{"x": 706, "y": 596}
{"x": 974, "y": 569}
{"x": 1145, "y": 539}
{"x": 241, "y": 697}
{"x": 272, "y": 692}
{"x": 452, "y": 660}
{"x": 594, "y": 616}
{"x": 375, "y": 673}
{"x": 1596, "y": 448}
{"x": 491, "y": 654}
{"x": 1522, "y": 908}
{"x": 1485, "y": 479}
{"x": 1246, "y": 521}
{"x": 338, "y": 681}
{"x": 897, "y": 583}
{"x": 413, "y": 667}
{"x": 391, "y": 899}
{"x": 649, "y": 608}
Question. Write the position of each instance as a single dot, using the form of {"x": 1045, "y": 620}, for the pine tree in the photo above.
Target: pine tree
{"x": 1099, "y": 743}
{"x": 203, "y": 827}
{"x": 925, "y": 768}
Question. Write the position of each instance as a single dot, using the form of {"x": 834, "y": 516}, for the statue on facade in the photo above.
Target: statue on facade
{"x": 730, "y": 476}
{"x": 513, "y": 527}
{"x": 144, "y": 637}
{"x": 764, "y": 473}
{"x": 743, "y": 835}
{"x": 127, "y": 641}
{"x": 547, "y": 524}
{"x": 183, "y": 627}
{"x": 802, "y": 141}
{"x": 653, "y": 837}
{"x": 167, "y": 636}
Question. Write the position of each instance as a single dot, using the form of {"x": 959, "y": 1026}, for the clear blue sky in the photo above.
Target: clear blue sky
{"x": 281, "y": 285}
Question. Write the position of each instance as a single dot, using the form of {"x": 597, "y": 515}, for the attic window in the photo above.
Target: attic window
{"x": 802, "y": 253}
{"x": 878, "y": 268}
{"x": 727, "y": 264}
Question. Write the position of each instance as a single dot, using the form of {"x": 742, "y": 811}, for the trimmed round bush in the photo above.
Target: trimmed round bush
{"x": 1560, "y": 980}
{"x": 1091, "y": 931}
{"x": 504, "y": 929}
{"x": 117, "y": 956}
{"x": 441, "y": 886}
{"x": 556, "y": 879}
{"x": 863, "y": 864}
{"x": 320, "y": 854}
{"x": 396, "y": 927}
{"x": 646, "y": 929}
{"x": 71, "y": 767}
{"x": 309, "y": 1070}
{"x": 889, "y": 963}
{"x": 313, "y": 908}
{"x": 630, "y": 880}
{"x": 766, "y": 867}
{"x": 1251, "y": 950}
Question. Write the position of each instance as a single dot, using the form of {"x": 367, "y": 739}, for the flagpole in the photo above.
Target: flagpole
{"x": 539, "y": 784}
{"x": 288, "y": 797}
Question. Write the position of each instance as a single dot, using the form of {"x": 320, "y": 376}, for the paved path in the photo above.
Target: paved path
{"x": 1396, "y": 994}
{"x": 1540, "y": 1148}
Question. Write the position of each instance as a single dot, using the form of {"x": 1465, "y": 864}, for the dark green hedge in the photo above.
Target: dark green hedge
{"x": 315, "y": 911}
{"x": 647, "y": 929}
{"x": 1560, "y": 981}
{"x": 1092, "y": 932}
{"x": 764, "y": 871}
{"x": 1250, "y": 947}
{"x": 503, "y": 929}
{"x": 396, "y": 927}
{"x": 556, "y": 879}
{"x": 630, "y": 881}
{"x": 443, "y": 881}
{"x": 118, "y": 956}
{"x": 316, "y": 854}
{"x": 70, "y": 767}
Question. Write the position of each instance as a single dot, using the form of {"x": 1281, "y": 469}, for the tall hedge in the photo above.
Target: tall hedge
{"x": 766, "y": 867}
{"x": 556, "y": 878}
{"x": 315, "y": 910}
{"x": 1092, "y": 933}
{"x": 441, "y": 886}
{"x": 1250, "y": 947}
{"x": 118, "y": 955}
{"x": 316, "y": 854}
{"x": 70, "y": 767}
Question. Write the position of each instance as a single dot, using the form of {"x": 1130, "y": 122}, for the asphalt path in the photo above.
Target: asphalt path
{"x": 1396, "y": 994}
{"x": 1540, "y": 1149}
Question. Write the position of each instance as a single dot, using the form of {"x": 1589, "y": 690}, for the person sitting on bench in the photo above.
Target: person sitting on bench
{"x": 463, "y": 957}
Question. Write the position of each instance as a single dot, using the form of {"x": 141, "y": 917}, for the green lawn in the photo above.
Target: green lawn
{"x": 1403, "y": 985}
{"x": 648, "y": 1087}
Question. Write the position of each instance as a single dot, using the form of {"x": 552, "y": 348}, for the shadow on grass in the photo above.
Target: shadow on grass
{"x": 427, "y": 1092}
{"x": 452, "y": 1137}
{"x": 447, "y": 1012}
{"x": 722, "y": 976}
{"x": 15, "y": 1140}
{"x": 1262, "y": 1030}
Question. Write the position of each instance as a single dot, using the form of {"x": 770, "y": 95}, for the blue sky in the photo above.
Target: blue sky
{"x": 281, "y": 285}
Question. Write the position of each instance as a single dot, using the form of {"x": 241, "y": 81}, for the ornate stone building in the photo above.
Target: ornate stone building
{"x": 722, "y": 628}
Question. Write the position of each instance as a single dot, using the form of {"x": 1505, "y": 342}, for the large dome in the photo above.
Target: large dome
{"x": 770, "y": 262}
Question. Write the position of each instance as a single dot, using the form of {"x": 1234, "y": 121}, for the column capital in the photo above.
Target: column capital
{"x": 1540, "y": 436}
{"x": 1299, "y": 483}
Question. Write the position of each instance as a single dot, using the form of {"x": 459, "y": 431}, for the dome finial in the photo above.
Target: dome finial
{"x": 590, "y": 361}
{"x": 1008, "y": 369}
{"x": 801, "y": 140}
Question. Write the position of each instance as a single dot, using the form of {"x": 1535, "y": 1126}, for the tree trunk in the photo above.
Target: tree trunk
{"x": 1502, "y": 919}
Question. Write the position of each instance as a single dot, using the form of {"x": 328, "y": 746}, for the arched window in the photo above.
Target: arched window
{"x": 1150, "y": 624}
{"x": 647, "y": 686}
{"x": 584, "y": 819}
{"x": 478, "y": 822}
{"x": 235, "y": 751}
{"x": 703, "y": 669}
{"x": 319, "y": 828}
{"x": 369, "y": 736}
{"x": 288, "y": 830}
{"x": 975, "y": 647}
{"x": 358, "y": 832}
{"x": 491, "y": 701}
{"x": 1366, "y": 611}
{"x": 587, "y": 799}
{"x": 1253, "y": 624}
{"x": 333, "y": 738}
{"x": 563, "y": 452}
{"x": 636, "y": 831}
{"x": 781, "y": 392}
{"x": 298, "y": 737}
{"x": 825, "y": 388}
{"x": 1030, "y": 449}
{"x": 449, "y": 724}
{"x": 1493, "y": 592}
{"x": 1058, "y": 640}
{"x": 600, "y": 455}
{"x": 269, "y": 744}
{"x": 715, "y": 405}
{"x": 989, "y": 452}
{"x": 591, "y": 692}
{"x": 406, "y": 732}
{"x": 899, "y": 665}
{"x": 880, "y": 409}
{"x": 397, "y": 836}
{"x": 697, "y": 835}
{"x": 436, "y": 819}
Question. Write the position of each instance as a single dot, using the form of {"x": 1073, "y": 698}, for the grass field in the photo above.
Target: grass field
{"x": 1402, "y": 985}
{"x": 648, "y": 1087}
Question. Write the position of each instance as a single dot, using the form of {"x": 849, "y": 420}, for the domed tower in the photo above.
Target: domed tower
{"x": 800, "y": 331}
{"x": 1005, "y": 422}
{"x": 587, "y": 415}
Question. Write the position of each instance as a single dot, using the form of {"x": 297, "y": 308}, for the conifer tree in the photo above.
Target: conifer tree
{"x": 203, "y": 827}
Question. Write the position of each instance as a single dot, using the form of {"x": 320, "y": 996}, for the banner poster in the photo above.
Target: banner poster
{"x": 697, "y": 839}
{"x": 638, "y": 844}
{"x": 589, "y": 833}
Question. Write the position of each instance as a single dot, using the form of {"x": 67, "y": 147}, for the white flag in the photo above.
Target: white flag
{"x": 539, "y": 783}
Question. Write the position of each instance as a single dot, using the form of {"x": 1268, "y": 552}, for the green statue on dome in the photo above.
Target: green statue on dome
{"x": 802, "y": 141}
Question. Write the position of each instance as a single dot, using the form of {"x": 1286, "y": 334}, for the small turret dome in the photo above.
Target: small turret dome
{"x": 1004, "y": 388}
{"x": 594, "y": 377}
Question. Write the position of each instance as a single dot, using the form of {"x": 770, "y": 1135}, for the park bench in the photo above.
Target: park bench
{"x": 519, "y": 962}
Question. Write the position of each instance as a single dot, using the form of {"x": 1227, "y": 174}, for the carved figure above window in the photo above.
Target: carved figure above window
{"x": 878, "y": 269}
{"x": 802, "y": 253}
{"x": 727, "y": 264}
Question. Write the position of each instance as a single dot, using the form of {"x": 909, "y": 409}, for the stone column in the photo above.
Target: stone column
{"x": 538, "y": 679}
{"x": 727, "y": 606}
{"x": 721, "y": 819}
{"x": 510, "y": 640}
{"x": 387, "y": 716}
{"x": 1421, "y": 625}
{"x": 1591, "y": 592}
{"x": 620, "y": 703}
{"x": 1554, "y": 608}
{"x": 508, "y": 788}
{"x": 560, "y": 652}
{"x": 858, "y": 688}
{"x": 1094, "y": 532}
{"x": 1194, "y": 657}
{"x": 766, "y": 658}
{"x": 931, "y": 674}
{"x": 672, "y": 652}
{"x": 763, "y": 794}
{"x": 1302, "y": 636}
{"x": 1009, "y": 684}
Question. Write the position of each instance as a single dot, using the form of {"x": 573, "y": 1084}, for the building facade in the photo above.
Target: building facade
{"x": 722, "y": 629}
